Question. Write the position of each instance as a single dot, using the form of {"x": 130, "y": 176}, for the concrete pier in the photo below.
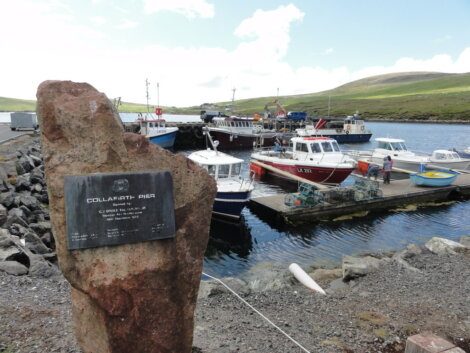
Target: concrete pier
{"x": 398, "y": 193}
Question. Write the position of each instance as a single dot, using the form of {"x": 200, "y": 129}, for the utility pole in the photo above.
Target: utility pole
{"x": 158, "y": 94}
{"x": 329, "y": 100}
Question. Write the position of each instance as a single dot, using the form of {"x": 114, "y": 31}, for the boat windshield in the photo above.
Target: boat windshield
{"x": 335, "y": 146}
{"x": 326, "y": 147}
{"x": 393, "y": 146}
{"x": 315, "y": 147}
{"x": 211, "y": 170}
{"x": 236, "y": 168}
{"x": 224, "y": 171}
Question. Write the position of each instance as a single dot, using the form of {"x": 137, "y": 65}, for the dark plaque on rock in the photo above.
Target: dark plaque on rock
{"x": 118, "y": 208}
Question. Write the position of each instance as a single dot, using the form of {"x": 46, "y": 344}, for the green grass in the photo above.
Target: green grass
{"x": 420, "y": 96}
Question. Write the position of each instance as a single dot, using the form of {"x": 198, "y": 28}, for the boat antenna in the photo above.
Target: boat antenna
{"x": 329, "y": 105}
{"x": 158, "y": 94}
{"x": 147, "y": 83}
{"x": 233, "y": 99}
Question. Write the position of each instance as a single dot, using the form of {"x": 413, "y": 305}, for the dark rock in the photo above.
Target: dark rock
{"x": 23, "y": 183}
{"x": 36, "y": 160}
{"x": 41, "y": 268}
{"x": 3, "y": 215}
{"x": 48, "y": 240}
{"x": 30, "y": 202}
{"x": 51, "y": 257}
{"x": 3, "y": 180}
{"x": 37, "y": 176}
{"x": 15, "y": 219}
{"x": 17, "y": 230}
{"x": 18, "y": 212}
{"x": 41, "y": 227}
{"x": 7, "y": 199}
{"x": 35, "y": 244}
{"x": 13, "y": 268}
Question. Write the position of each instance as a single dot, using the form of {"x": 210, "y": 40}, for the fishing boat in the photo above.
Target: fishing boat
{"x": 153, "y": 127}
{"x": 465, "y": 153}
{"x": 239, "y": 133}
{"x": 233, "y": 191}
{"x": 318, "y": 159}
{"x": 433, "y": 178}
{"x": 409, "y": 160}
{"x": 350, "y": 130}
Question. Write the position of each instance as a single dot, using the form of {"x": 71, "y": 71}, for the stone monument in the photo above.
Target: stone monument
{"x": 137, "y": 293}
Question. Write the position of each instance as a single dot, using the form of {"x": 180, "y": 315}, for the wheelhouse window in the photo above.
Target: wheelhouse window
{"x": 236, "y": 168}
{"x": 315, "y": 147}
{"x": 211, "y": 169}
{"x": 326, "y": 147}
{"x": 301, "y": 147}
{"x": 335, "y": 146}
{"x": 224, "y": 170}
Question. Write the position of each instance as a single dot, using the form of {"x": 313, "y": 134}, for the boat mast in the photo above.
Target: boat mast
{"x": 233, "y": 100}
{"x": 158, "y": 94}
{"x": 329, "y": 100}
{"x": 147, "y": 83}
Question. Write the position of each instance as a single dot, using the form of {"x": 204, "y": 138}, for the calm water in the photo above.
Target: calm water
{"x": 235, "y": 248}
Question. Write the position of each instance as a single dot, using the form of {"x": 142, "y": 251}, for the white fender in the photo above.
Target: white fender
{"x": 304, "y": 278}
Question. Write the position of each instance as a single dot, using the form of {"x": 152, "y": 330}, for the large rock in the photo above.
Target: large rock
{"x": 13, "y": 268}
{"x": 135, "y": 297}
{"x": 442, "y": 246}
{"x": 354, "y": 267}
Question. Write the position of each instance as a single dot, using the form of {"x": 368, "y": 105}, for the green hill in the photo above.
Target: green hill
{"x": 408, "y": 95}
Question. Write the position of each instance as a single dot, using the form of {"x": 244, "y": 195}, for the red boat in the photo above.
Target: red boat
{"x": 318, "y": 159}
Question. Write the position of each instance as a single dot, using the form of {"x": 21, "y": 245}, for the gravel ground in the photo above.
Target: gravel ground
{"x": 372, "y": 314}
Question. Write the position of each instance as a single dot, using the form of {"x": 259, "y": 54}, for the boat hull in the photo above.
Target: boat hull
{"x": 422, "y": 179}
{"x": 317, "y": 174}
{"x": 230, "y": 141}
{"x": 165, "y": 140}
{"x": 230, "y": 204}
{"x": 349, "y": 138}
{"x": 415, "y": 166}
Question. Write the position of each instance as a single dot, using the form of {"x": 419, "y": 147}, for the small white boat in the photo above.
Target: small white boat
{"x": 156, "y": 132}
{"x": 233, "y": 191}
{"x": 318, "y": 159}
{"x": 408, "y": 160}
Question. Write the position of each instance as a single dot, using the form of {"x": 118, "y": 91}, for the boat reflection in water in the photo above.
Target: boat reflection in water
{"x": 229, "y": 238}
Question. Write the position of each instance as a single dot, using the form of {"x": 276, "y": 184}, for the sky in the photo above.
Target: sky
{"x": 198, "y": 51}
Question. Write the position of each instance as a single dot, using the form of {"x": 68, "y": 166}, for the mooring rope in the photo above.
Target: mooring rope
{"x": 258, "y": 312}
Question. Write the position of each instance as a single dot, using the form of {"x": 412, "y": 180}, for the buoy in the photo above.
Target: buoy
{"x": 304, "y": 278}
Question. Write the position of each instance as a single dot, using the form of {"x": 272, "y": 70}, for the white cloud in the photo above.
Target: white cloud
{"x": 98, "y": 20}
{"x": 60, "y": 48}
{"x": 126, "y": 24}
{"x": 443, "y": 39}
{"x": 188, "y": 8}
{"x": 328, "y": 51}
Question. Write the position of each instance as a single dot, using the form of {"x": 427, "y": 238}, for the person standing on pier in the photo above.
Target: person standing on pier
{"x": 388, "y": 165}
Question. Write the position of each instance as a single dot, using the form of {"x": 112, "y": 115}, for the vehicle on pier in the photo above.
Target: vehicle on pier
{"x": 350, "y": 130}
{"x": 318, "y": 159}
{"x": 233, "y": 191}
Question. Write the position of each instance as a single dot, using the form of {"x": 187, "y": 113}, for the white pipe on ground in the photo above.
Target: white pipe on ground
{"x": 305, "y": 279}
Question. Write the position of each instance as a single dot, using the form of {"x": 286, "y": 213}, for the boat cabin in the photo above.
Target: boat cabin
{"x": 314, "y": 145}
{"x": 390, "y": 144}
{"x": 444, "y": 155}
{"x": 152, "y": 127}
{"x": 238, "y": 124}
{"x": 219, "y": 165}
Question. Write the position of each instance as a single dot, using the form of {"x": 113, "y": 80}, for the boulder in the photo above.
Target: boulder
{"x": 41, "y": 227}
{"x": 23, "y": 183}
{"x": 3, "y": 215}
{"x": 136, "y": 297}
{"x": 465, "y": 240}
{"x": 29, "y": 201}
{"x": 35, "y": 244}
{"x": 40, "y": 267}
{"x": 354, "y": 267}
{"x": 322, "y": 274}
{"x": 13, "y": 268}
{"x": 442, "y": 246}
{"x": 7, "y": 199}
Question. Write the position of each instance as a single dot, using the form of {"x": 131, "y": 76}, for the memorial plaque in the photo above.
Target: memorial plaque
{"x": 118, "y": 208}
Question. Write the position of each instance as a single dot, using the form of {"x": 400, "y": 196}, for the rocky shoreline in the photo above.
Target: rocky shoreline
{"x": 373, "y": 302}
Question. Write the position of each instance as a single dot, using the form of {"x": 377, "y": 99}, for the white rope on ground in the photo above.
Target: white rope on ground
{"x": 259, "y": 313}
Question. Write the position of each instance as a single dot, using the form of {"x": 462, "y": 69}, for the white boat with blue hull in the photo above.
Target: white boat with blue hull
{"x": 233, "y": 191}
{"x": 156, "y": 132}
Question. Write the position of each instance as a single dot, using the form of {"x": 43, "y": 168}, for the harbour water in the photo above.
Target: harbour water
{"x": 235, "y": 248}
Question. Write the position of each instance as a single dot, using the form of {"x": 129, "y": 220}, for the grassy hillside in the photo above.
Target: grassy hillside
{"x": 409, "y": 95}
{"x": 419, "y": 96}
{"x": 15, "y": 105}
